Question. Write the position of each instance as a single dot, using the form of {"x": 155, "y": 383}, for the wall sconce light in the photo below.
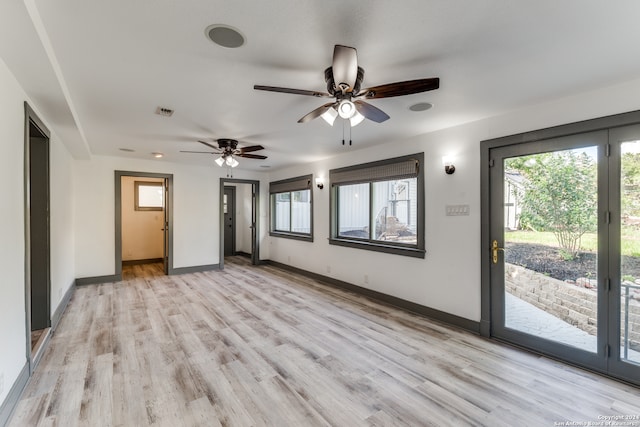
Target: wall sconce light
{"x": 449, "y": 168}
{"x": 320, "y": 183}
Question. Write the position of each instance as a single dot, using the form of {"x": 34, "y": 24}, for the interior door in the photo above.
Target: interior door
{"x": 228, "y": 207}
{"x": 548, "y": 230}
{"x": 39, "y": 230}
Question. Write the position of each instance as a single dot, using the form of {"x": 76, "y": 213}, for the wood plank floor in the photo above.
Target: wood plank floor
{"x": 258, "y": 346}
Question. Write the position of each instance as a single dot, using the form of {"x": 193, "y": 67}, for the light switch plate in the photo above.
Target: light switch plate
{"x": 457, "y": 210}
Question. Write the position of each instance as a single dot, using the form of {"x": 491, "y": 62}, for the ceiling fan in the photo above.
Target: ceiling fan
{"x": 227, "y": 149}
{"x": 344, "y": 79}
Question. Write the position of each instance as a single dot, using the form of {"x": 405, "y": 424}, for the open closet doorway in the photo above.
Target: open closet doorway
{"x": 37, "y": 231}
{"x": 143, "y": 224}
{"x": 238, "y": 219}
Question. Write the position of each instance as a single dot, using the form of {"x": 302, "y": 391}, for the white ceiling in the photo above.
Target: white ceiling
{"x": 99, "y": 69}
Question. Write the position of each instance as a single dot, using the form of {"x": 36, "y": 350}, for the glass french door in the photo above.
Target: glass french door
{"x": 624, "y": 257}
{"x": 565, "y": 248}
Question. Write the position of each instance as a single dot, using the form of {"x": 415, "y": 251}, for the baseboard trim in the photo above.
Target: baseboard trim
{"x": 57, "y": 315}
{"x": 142, "y": 261}
{"x": 194, "y": 269}
{"x": 82, "y": 281}
{"x": 448, "y": 318}
{"x": 13, "y": 397}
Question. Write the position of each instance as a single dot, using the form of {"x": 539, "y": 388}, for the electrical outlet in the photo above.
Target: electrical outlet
{"x": 288, "y": 260}
{"x": 328, "y": 269}
{"x": 366, "y": 279}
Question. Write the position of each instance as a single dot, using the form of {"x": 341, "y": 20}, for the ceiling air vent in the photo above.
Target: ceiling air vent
{"x": 163, "y": 111}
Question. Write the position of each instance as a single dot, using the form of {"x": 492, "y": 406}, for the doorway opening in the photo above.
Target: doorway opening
{"x": 143, "y": 230}
{"x": 37, "y": 236}
{"x": 239, "y": 228}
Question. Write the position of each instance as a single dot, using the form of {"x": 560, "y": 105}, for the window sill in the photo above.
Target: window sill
{"x": 294, "y": 236}
{"x": 379, "y": 247}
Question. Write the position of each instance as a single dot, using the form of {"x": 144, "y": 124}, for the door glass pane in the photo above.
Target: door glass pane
{"x": 630, "y": 252}
{"x": 550, "y": 240}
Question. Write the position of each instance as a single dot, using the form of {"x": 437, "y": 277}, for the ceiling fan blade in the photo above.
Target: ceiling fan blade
{"x": 251, "y": 148}
{"x": 317, "y": 112}
{"x": 293, "y": 91}
{"x": 370, "y": 112}
{"x": 198, "y": 152}
{"x": 345, "y": 66}
{"x": 252, "y": 156}
{"x": 400, "y": 88}
{"x": 208, "y": 145}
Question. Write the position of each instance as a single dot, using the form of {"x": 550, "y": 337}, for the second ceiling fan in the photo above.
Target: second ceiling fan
{"x": 344, "y": 80}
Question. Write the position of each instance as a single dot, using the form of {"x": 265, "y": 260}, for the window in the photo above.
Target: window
{"x": 291, "y": 208}
{"x": 380, "y": 206}
{"x": 149, "y": 196}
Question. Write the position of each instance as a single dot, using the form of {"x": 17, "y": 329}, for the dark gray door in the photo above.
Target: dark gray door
{"x": 624, "y": 252}
{"x": 39, "y": 229}
{"x": 547, "y": 275}
{"x": 229, "y": 204}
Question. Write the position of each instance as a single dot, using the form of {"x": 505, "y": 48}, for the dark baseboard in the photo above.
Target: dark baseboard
{"x": 450, "y": 319}
{"x": 55, "y": 319}
{"x": 194, "y": 269}
{"x": 98, "y": 279}
{"x": 142, "y": 261}
{"x": 13, "y": 397}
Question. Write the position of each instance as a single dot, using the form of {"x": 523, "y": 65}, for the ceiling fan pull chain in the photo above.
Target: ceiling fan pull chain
{"x": 349, "y": 134}
{"x": 343, "y": 132}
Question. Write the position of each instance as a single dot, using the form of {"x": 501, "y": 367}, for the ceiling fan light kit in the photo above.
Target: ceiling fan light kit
{"x": 231, "y": 162}
{"x": 228, "y": 150}
{"x": 329, "y": 116}
{"x": 344, "y": 80}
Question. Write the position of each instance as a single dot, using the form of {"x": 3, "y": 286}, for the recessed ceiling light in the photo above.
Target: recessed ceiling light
{"x": 158, "y": 155}
{"x": 224, "y": 35}
{"x": 128, "y": 150}
{"x": 420, "y": 106}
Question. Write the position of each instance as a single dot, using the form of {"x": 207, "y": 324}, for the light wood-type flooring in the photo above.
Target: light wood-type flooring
{"x": 259, "y": 346}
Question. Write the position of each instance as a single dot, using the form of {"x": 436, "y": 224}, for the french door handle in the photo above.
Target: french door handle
{"x": 494, "y": 251}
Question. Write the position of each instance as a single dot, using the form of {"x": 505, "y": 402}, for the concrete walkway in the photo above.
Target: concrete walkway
{"x": 525, "y": 317}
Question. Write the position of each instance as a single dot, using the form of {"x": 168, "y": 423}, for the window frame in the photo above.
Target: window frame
{"x": 397, "y": 248}
{"x": 290, "y": 185}
{"x": 136, "y": 196}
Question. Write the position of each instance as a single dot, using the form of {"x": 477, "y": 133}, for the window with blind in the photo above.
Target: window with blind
{"x": 291, "y": 208}
{"x": 380, "y": 206}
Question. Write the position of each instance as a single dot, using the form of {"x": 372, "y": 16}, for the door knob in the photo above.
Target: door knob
{"x": 494, "y": 251}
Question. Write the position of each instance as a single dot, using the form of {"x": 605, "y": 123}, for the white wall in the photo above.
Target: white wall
{"x": 13, "y": 332}
{"x": 12, "y": 245}
{"x": 62, "y": 221}
{"x": 448, "y": 279}
{"x": 142, "y": 235}
{"x": 196, "y": 228}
